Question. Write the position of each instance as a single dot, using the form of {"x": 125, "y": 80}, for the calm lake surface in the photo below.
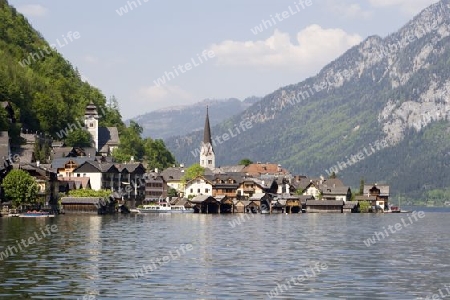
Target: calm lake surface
{"x": 205, "y": 257}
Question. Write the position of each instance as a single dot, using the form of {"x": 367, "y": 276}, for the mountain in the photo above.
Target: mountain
{"x": 380, "y": 111}
{"x": 167, "y": 122}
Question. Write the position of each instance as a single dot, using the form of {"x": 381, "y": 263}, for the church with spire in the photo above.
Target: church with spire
{"x": 207, "y": 156}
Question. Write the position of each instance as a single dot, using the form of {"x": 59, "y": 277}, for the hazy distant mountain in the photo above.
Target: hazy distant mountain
{"x": 392, "y": 91}
{"x": 176, "y": 120}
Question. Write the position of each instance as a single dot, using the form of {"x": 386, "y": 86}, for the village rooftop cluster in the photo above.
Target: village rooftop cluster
{"x": 253, "y": 188}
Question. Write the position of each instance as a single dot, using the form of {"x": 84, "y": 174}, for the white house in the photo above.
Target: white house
{"x": 198, "y": 186}
{"x": 312, "y": 190}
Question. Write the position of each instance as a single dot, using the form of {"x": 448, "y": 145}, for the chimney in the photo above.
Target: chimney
{"x": 156, "y": 170}
{"x": 38, "y": 163}
{"x": 132, "y": 158}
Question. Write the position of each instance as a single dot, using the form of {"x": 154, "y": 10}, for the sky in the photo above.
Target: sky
{"x": 152, "y": 54}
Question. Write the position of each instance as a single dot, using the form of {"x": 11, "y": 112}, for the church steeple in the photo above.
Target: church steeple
{"x": 207, "y": 156}
{"x": 207, "y": 130}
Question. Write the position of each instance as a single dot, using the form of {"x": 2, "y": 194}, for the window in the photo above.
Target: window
{"x": 192, "y": 190}
{"x": 78, "y": 174}
{"x": 210, "y": 162}
{"x": 206, "y": 190}
{"x": 91, "y": 125}
{"x": 198, "y": 191}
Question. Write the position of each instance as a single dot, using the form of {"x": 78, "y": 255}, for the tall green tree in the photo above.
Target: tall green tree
{"x": 20, "y": 187}
{"x": 131, "y": 144}
{"x": 361, "y": 186}
{"x": 79, "y": 137}
{"x": 157, "y": 155}
{"x": 110, "y": 115}
{"x": 192, "y": 172}
{"x": 42, "y": 150}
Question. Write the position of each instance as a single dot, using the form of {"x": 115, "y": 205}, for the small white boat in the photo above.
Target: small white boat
{"x": 134, "y": 210}
{"x": 181, "y": 209}
{"x": 36, "y": 215}
{"x": 161, "y": 207}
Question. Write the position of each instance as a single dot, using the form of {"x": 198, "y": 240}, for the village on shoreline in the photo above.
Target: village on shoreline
{"x": 245, "y": 188}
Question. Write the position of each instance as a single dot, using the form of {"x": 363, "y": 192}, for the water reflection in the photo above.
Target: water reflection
{"x": 97, "y": 256}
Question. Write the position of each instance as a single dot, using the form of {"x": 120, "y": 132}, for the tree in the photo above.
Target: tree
{"x": 79, "y": 138}
{"x": 192, "y": 172}
{"x": 361, "y": 186}
{"x": 111, "y": 115}
{"x": 41, "y": 151}
{"x": 131, "y": 144}
{"x": 20, "y": 187}
{"x": 157, "y": 155}
{"x": 364, "y": 206}
{"x": 245, "y": 162}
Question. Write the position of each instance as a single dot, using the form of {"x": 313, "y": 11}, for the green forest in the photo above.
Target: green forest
{"x": 48, "y": 94}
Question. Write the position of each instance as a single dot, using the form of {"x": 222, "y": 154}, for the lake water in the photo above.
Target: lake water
{"x": 303, "y": 256}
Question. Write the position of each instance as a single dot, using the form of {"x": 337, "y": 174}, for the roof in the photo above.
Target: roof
{"x": 262, "y": 183}
{"x": 257, "y": 196}
{"x": 60, "y": 152}
{"x": 384, "y": 189}
{"x": 304, "y": 198}
{"x": 107, "y": 136}
{"x": 59, "y": 163}
{"x": 236, "y": 177}
{"x": 350, "y": 204}
{"x": 300, "y": 184}
{"x": 324, "y": 203}
{"x": 207, "y": 131}
{"x": 4, "y": 138}
{"x": 341, "y": 190}
{"x": 201, "y": 198}
{"x": 229, "y": 169}
{"x": 5, "y": 150}
{"x": 91, "y": 110}
{"x": 171, "y": 174}
{"x": 179, "y": 201}
{"x": 131, "y": 167}
{"x": 258, "y": 169}
{"x": 204, "y": 178}
{"x": 333, "y": 182}
{"x": 365, "y": 198}
{"x": 24, "y": 153}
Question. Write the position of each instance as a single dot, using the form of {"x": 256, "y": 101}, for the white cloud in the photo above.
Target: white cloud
{"x": 349, "y": 11}
{"x": 155, "y": 97}
{"x": 33, "y": 10}
{"x": 410, "y": 7}
{"x": 314, "y": 47}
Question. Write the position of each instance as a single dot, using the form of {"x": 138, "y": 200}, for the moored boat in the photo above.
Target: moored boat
{"x": 161, "y": 207}
{"x": 36, "y": 214}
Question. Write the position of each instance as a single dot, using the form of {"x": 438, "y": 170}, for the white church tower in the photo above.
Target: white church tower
{"x": 91, "y": 123}
{"x": 207, "y": 156}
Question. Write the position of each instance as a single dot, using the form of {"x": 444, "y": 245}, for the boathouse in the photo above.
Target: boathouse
{"x": 324, "y": 206}
{"x": 205, "y": 204}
